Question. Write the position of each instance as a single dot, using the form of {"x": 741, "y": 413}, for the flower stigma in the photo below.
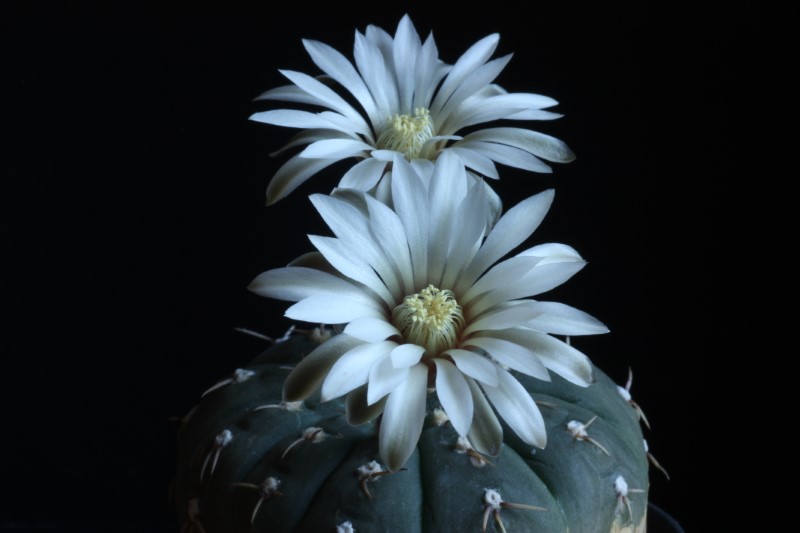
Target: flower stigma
{"x": 430, "y": 318}
{"x": 408, "y": 134}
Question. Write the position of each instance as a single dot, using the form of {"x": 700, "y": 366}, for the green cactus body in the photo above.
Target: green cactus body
{"x": 247, "y": 481}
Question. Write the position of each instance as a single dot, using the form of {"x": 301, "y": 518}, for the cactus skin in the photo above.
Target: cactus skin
{"x": 439, "y": 490}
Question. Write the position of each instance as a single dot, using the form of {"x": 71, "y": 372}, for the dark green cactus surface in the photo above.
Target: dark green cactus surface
{"x": 223, "y": 485}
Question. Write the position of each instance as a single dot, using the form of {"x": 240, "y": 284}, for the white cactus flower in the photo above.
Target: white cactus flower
{"x": 425, "y": 305}
{"x": 409, "y": 102}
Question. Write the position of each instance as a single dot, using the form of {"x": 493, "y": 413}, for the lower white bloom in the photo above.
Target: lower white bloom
{"x": 425, "y": 305}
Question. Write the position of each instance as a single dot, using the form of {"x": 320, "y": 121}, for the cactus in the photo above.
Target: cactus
{"x": 247, "y": 462}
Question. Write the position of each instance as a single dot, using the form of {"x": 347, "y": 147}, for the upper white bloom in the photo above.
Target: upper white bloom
{"x": 425, "y": 307}
{"x": 409, "y": 102}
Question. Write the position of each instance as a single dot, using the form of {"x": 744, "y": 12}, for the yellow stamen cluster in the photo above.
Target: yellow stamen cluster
{"x": 430, "y": 318}
{"x": 408, "y": 134}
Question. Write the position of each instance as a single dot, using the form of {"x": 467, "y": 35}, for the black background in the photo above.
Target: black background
{"x": 133, "y": 218}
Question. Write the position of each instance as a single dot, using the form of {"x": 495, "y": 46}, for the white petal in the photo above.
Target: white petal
{"x": 307, "y": 137}
{"x": 501, "y": 106}
{"x": 331, "y": 309}
{"x": 403, "y": 417}
{"x": 326, "y": 95}
{"x": 428, "y": 72}
{"x": 508, "y": 155}
{"x": 383, "y": 379}
{"x": 406, "y": 48}
{"x": 539, "y": 279}
{"x": 534, "y": 114}
{"x": 386, "y": 156}
{"x": 538, "y": 144}
{"x": 561, "y": 319}
{"x": 453, "y": 392}
{"x": 289, "y": 93}
{"x": 499, "y": 276}
{"x": 477, "y": 80}
{"x": 486, "y": 433}
{"x": 518, "y": 409}
{"x": 358, "y": 410}
{"x": 558, "y": 356}
{"x": 370, "y": 329}
{"x": 364, "y": 175}
{"x": 472, "y": 214}
{"x": 411, "y": 205}
{"x": 297, "y": 283}
{"x": 474, "y": 57}
{"x": 292, "y": 118}
{"x": 351, "y": 265}
{"x": 293, "y": 174}
{"x": 554, "y": 253}
{"x": 388, "y": 230}
{"x": 351, "y": 225}
{"x": 510, "y": 231}
{"x": 474, "y": 365}
{"x": 373, "y": 69}
{"x": 335, "y": 65}
{"x": 447, "y": 190}
{"x": 336, "y": 149}
{"x": 512, "y": 355}
{"x": 352, "y": 369}
{"x": 310, "y": 372}
{"x": 405, "y": 355}
{"x": 502, "y": 318}
{"x": 476, "y": 161}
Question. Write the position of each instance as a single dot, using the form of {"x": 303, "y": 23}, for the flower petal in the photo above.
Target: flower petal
{"x": 293, "y": 174}
{"x": 403, "y": 417}
{"x": 454, "y": 394}
{"x": 364, "y": 175}
{"x": 518, "y": 409}
{"x": 375, "y": 73}
{"x": 512, "y": 355}
{"x": 553, "y": 253}
{"x": 558, "y": 356}
{"x": 499, "y": 275}
{"x": 351, "y": 265}
{"x": 328, "y": 97}
{"x": 476, "y": 161}
{"x": 448, "y": 188}
{"x": 405, "y": 355}
{"x": 310, "y": 372}
{"x": 510, "y": 231}
{"x": 335, "y": 65}
{"x": 561, "y": 319}
{"x": 410, "y": 202}
{"x": 406, "y": 48}
{"x": 388, "y": 230}
{"x": 486, "y": 433}
{"x": 331, "y": 309}
{"x": 539, "y": 279}
{"x": 352, "y": 369}
{"x": 474, "y": 365}
{"x": 503, "y": 317}
{"x": 358, "y": 410}
{"x": 370, "y": 329}
{"x": 297, "y": 283}
{"x": 474, "y": 57}
{"x": 383, "y": 379}
{"x": 473, "y": 215}
{"x": 335, "y": 149}
{"x": 508, "y": 155}
{"x": 538, "y": 144}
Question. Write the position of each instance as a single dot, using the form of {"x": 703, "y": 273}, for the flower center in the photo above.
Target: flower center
{"x": 408, "y": 134}
{"x": 431, "y": 318}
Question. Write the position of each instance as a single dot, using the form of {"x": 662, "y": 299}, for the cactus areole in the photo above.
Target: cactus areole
{"x": 249, "y": 462}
